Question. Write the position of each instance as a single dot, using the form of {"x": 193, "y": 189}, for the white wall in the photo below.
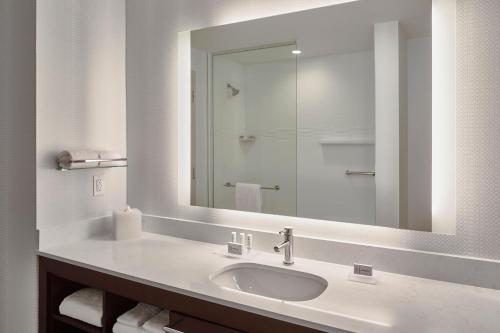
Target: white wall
{"x": 445, "y": 98}
{"x": 152, "y": 29}
{"x": 388, "y": 122}
{"x": 270, "y": 115}
{"x": 419, "y": 69}
{"x": 80, "y": 105}
{"x": 403, "y": 131}
{"x": 199, "y": 67}
{"x": 228, "y": 124}
{"x": 18, "y": 243}
{"x": 336, "y": 101}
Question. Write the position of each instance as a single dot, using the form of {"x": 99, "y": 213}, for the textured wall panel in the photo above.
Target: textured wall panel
{"x": 80, "y": 105}
{"x": 152, "y": 28}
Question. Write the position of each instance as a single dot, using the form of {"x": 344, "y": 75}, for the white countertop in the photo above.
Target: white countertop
{"x": 397, "y": 303}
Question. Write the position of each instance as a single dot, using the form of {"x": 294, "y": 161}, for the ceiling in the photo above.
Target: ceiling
{"x": 263, "y": 55}
{"x": 341, "y": 28}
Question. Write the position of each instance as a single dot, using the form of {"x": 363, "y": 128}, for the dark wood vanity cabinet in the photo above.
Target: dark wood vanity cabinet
{"x": 188, "y": 314}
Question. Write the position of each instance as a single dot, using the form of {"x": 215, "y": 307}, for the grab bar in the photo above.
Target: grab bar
{"x": 359, "y": 173}
{"x": 275, "y": 187}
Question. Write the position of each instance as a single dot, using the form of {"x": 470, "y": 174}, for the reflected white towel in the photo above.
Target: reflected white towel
{"x": 139, "y": 315}
{"x": 248, "y": 197}
{"x": 120, "y": 328}
{"x": 156, "y": 324}
{"x": 110, "y": 155}
{"x": 66, "y": 157}
{"x": 84, "y": 305}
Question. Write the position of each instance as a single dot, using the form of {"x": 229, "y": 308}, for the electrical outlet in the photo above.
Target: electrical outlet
{"x": 99, "y": 185}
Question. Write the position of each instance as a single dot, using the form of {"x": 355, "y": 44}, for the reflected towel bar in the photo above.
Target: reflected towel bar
{"x": 275, "y": 187}
{"x": 360, "y": 173}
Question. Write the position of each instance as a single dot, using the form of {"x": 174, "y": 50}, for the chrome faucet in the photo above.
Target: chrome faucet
{"x": 287, "y": 244}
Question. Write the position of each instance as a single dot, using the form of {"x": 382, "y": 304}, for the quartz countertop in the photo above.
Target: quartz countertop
{"x": 397, "y": 303}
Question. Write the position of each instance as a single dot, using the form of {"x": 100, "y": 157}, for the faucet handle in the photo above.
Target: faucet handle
{"x": 287, "y": 231}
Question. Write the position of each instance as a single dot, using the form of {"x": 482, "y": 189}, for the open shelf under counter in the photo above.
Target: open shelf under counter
{"x": 74, "y": 323}
{"x": 58, "y": 279}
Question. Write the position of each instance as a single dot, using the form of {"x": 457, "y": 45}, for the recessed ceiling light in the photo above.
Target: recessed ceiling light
{"x": 296, "y": 51}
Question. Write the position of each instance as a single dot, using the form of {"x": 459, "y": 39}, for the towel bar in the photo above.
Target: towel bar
{"x": 359, "y": 173}
{"x": 275, "y": 187}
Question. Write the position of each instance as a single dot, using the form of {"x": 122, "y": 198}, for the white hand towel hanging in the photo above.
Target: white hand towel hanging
{"x": 248, "y": 197}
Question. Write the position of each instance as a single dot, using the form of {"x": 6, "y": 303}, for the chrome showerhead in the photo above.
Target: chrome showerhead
{"x": 234, "y": 91}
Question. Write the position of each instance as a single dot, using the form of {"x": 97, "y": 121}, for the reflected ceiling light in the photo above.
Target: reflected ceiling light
{"x": 297, "y": 52}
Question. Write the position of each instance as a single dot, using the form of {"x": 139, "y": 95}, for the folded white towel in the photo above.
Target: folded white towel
{"x": 156, "y": 324}
{"x": 84, "y": 305}
{"x": 120, "y": 328}
{"x": 248, "y": 197}
{"x": 110, "y": 155}
{"x": 139, "y": 315}
{"x": 67, "y": 157}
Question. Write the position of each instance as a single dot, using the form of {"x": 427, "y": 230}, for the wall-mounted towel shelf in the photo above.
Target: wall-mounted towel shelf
{"x": 84, "y": 164}
{"x": 275, "y": 187}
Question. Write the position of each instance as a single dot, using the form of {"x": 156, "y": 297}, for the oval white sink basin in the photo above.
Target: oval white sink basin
{"x": 274, "y": 282}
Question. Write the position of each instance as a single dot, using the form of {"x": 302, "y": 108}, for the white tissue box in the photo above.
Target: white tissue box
{"x": 127, "y": 224}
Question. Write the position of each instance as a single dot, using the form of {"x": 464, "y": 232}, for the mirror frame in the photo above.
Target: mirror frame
{"x": 443, "y": 118}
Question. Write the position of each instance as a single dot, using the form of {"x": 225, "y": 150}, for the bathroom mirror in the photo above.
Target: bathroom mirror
{"x": 342, "y": 113}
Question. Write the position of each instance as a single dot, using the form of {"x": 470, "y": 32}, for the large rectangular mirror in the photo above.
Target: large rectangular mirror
{"x": 341, "y": 113}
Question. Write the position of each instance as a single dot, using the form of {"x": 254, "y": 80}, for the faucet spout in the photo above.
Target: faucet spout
{"x": 277, "y": 248}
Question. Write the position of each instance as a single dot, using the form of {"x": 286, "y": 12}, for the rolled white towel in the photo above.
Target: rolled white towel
{"x": 110, "y": 155}
{"x": 84, "y": 305}
{"x": 156, "y": 324}
{"x": 138, "y": 315}
{"x": 121, "y": 328}
{"x": 66, "y": 159}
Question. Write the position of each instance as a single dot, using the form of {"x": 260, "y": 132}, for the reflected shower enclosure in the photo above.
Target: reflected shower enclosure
{"x": 330, "y": 120}
{"x": 252, "y": 124}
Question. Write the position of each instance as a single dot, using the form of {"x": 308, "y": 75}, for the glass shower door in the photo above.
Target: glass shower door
{"x": 254, "y": 121}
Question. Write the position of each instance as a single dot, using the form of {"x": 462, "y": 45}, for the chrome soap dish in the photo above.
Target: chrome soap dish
{"x": 247, "y": 138}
